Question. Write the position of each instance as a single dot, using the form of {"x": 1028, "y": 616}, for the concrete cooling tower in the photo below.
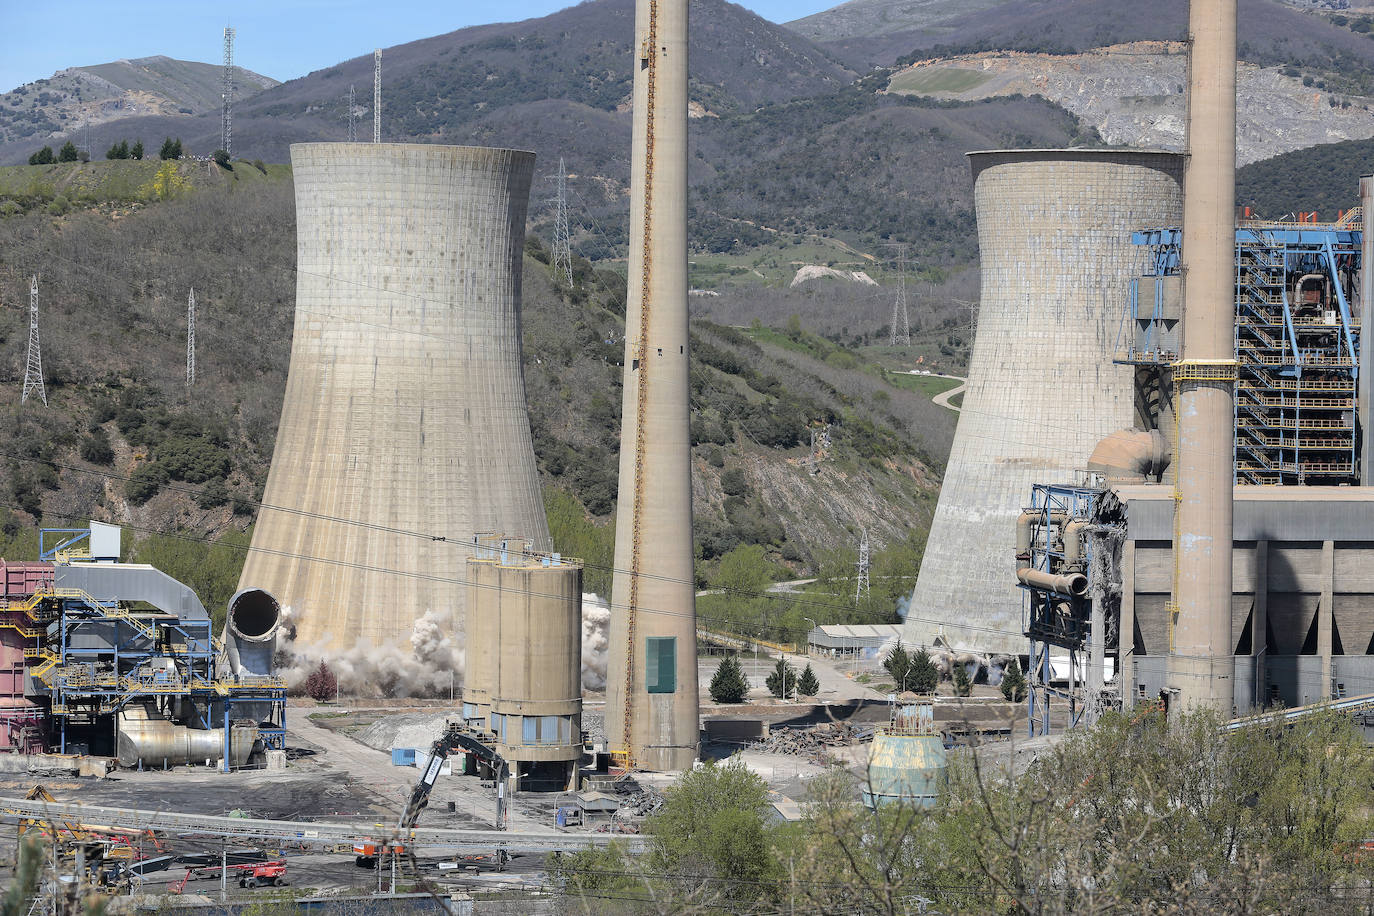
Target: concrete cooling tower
{"x": 405, "y": 402}
{"x": 1054, "y": 237}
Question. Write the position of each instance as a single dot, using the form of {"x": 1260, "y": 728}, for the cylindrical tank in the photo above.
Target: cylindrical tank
{"x": 482, "y": 629}
{"x": 146, "y": 737}
{"x": 537, "y": 698}
{"x": 906, "y": 762}
{"x": 405, "y": 402}
{"x": 1054, "y": 238}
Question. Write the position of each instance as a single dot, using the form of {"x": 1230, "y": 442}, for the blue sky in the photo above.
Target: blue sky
{"x": 282, "y": 39}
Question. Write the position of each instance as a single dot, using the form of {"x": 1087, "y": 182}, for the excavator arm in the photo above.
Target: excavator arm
{"x": 454, "y": 739}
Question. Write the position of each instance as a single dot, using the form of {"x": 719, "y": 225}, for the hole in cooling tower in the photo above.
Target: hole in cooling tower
{"x": 253, "y": 613}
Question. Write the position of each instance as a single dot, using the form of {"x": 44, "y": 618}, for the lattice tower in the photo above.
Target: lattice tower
{"x": 33, "y": 370}
{"x": 352, "y": 115}
{"x": 901, "y": 319}
{"x": 191, "y": 338}
{"x": 861, "y": 579}
{"x": 226, "y": 138}
{"x": 562, "y": 243}
{"x": 377, "y": 96}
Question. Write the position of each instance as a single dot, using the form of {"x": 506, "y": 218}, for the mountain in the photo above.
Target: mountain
{"x": 878, "y": 17}
{"x": 78, "y": 97}
{"x": 1271, "y": 33}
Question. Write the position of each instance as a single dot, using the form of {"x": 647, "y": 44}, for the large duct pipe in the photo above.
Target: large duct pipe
{"x": 1026, "y": 524}
{"x": 1073, "y": 585}
{"x": 1201, "y": 667}
{"x": 250, "y": 642}
{"x": 1131, "y": 456}
{"x": 149, "y": 739}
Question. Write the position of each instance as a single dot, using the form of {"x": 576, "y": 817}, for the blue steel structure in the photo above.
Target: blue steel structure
{"x": 1053, "y": 620}
{"x": 1297, "y": 343}
{"x": 93, "y": 657}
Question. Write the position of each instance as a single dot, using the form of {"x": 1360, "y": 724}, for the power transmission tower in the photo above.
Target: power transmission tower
{"x": 861, "y": 581}
{"x": 191, "y": 338}
{"x": 901, "y": 319}
{"x": 377, "y": 96}
{"x": 562, "y": 242}
{"x": 228, "y": 89}
{"x": 33, "y": 370}
{"x": 352, "y": 116}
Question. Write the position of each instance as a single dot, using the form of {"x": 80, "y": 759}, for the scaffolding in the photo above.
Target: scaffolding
{"x": 1068, "y": 532}
{"x": 1297, "y": 338}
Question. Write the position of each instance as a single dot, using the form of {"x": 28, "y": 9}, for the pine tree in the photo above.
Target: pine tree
{"x": 68, "y": 152}
{"x": 136, "y": 151}
{"x": 321, "y": 684}
{"x": 782, "y": 683}
{"x": 922, "y": 676}
{"x": 728, "y": 685}
{"x": 1014, "y": 682}
{"x": 963, "y": 684}
{"x": 897, "y": 664}
{"x": 807, "y": 684}
{"x": 43, "y": 157}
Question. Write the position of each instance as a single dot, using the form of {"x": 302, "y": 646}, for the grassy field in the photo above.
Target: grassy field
{"x": 776, "y": 265}
{"x": 114, "y": 180}
{"x": 928, "y": 385}
{"x": 937, "y": 79}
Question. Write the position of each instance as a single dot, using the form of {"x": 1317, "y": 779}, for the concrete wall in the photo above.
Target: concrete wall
{"x": 405, "y": 402}
{"x": 1302, "y": 608}
{"x": 1054, "y": 235}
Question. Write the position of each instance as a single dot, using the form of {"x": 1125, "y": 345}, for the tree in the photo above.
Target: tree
{"x": 897, "y": 664}
{"x": 1013, "y": 682}
{"x": 321, "y": 685}
{"x": 922, "y": 676}
{"x": 963, "y": 684}
{"x": 136, "y": 151}
{"x": 68, "y": 152}
{"x": 221, "y": 157}
{"x": 119, "y": 151}
{"x": 807, "y": 683}
{"x": 782, "y": 683}
{"x": 43, "y": 157}
{"x": 728, "y": 684}
{"x": 171, "y": 149}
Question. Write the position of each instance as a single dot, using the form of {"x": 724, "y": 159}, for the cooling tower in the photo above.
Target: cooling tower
{"x": 652, "y": 707}
{"x": 404, "y": 417}
{"x": 1054, "y": 238}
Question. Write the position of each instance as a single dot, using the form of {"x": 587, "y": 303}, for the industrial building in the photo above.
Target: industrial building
{"x": 404, "y": 420}
{"x": 652, "y": 705}
{"x": 118, "y": 660}
{"x": 522, "y": 690}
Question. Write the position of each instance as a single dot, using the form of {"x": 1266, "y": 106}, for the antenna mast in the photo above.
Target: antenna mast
{"x": 901, "y": 319}
{"x": 352, "y": 115}
{"x": 562, "y": 243}
{"x": 33, "y": 370}
{"x": 191, "y": 338}
{"x": 377, "y": 96}
{"x": 228, "y": 90}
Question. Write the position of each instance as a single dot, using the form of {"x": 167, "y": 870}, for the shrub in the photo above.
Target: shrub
{"x": 728, "y": 684}
{"x": 96, "y": 449}
{"x": 144, "y": 483}
{"x": 321, "y": 684}
{"x": 963, "y": 684}
{"x": 68, "y": 153}
{"x": 221, "y": 157}
{"x": 43, "y": 157}
{"x": 734, "y": 483}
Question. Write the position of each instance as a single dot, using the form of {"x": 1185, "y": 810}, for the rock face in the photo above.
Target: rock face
{"x": 1133, "y": 95}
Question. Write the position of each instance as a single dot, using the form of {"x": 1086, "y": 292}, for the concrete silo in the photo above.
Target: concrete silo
{"x": 405, "y": 403}
{"x": 652, "y": 707}
{"x": 1054, "y": 237}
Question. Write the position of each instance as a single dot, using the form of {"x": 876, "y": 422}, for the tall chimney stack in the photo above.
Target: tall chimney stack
{"x": 651, "y": 692}
{"x": 1201, "y": 665}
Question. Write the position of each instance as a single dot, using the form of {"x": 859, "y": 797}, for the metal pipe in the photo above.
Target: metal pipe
{"x": 1025, "y": 528}
{"x": 149, "y": 739}
{"x": 250, "y": 638}
{"x": 1201, "y": 667}
{"x": 1074, "y": 585}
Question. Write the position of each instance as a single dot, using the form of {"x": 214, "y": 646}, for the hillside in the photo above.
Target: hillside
{"x": 81, "y": 97}
{"x": 858, "y": 18}
{"x": 123, "y": 439}
{"x": 1271, "y": 33}
{"x": 1132, "y": 95}
{"x": 1324, "y": 178}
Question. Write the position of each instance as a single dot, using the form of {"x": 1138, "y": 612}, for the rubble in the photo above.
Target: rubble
{"x": 814, "y": 743}
{"x": 637, "y": 800}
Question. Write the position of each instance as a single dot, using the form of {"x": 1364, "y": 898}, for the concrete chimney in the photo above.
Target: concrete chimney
{"x": 651, "y": 691}
{"x": 1201, "y": 666}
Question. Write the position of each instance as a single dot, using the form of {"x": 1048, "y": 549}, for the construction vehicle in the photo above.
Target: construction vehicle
{"x": 455, "y": 737}
{"x": 250, "y": 874}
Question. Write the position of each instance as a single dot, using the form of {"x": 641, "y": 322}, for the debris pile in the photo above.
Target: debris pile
{"x": 814, "y": 743}
{"x": 637, "y": 800}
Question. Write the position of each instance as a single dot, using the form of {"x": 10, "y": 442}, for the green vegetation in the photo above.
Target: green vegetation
{"x": 1013, "y": 684}
{"x": 1135, "y": 814}
{"x": 1321, "y": 178}
{"x": 926, "y": 385}
{"x": 575, "y": 534}
{"x": 916, "y": 673}
{"x": 782, "y": 680}
{"x": 807, "y": 684}
{"x": 929, "y": 80}
{"x": 728, "y": 684}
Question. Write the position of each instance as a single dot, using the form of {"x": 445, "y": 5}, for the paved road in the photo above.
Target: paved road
{"x": 942, "y": 399}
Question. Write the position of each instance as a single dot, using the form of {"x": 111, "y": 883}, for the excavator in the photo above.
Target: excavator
{"x": 455, "y": 737}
